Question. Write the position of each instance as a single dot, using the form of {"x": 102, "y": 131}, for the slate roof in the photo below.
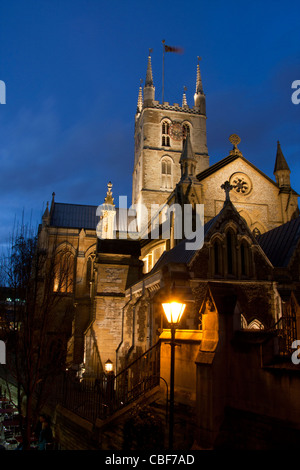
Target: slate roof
{"x": 181, "y": 253}
{"x": 80, "y": 216}
{"x": 279, "y": 243}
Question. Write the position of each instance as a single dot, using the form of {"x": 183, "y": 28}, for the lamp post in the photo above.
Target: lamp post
{"x": 110, "y": 376}
{"x": 173, "y": 312}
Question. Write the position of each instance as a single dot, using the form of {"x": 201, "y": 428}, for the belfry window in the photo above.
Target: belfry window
{"x": 166, "y": 173}
{"x": 165, "y": 140}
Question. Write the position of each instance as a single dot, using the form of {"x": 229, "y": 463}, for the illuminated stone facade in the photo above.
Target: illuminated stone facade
{"x": 119, "y": 284}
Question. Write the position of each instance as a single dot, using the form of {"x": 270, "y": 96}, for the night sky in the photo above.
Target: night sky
{"x": 72, "y": 69}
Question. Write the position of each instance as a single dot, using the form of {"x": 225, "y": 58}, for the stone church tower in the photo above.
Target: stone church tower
{"x": 160, "y": 133}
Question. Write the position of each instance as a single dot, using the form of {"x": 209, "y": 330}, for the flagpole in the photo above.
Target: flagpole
{"x": 163, "y": 72}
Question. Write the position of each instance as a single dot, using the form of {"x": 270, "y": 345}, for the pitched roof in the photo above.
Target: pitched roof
{"x": 84, "y": 216}
{"x": 181, "y": 253}
{"x": 74, "y": 216}
{"x": 279, "y": 243}
{"x": 225, "y": 161}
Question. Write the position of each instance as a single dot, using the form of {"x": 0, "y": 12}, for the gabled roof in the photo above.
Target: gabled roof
{"x": 279, "y": 243}
{"x": 225, "y": 161}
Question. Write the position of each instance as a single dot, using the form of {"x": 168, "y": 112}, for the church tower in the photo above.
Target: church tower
{"x": 160, "y": 133}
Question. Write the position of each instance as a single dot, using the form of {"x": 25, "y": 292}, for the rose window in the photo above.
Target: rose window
{"x": 241, "y": 183}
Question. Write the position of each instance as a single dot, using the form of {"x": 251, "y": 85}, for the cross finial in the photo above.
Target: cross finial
{"x": 235, "y": 140}
{"x": 227, "y": 188}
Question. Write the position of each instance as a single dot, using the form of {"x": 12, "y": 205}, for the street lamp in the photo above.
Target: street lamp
{"x": 108, "y": 366}
{"x": 173, "y": 311}
{"x": 110, "y": 378}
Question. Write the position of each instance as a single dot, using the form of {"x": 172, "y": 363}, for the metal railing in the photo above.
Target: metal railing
{"x": 286, "y": 333}
{"x": 109, "y": 393}
{"x": 285, "y": 330}
{"x": 137, "y": 378}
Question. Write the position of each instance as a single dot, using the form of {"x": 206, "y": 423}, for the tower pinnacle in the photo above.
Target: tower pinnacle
{"x": 140, "y": 99}
{"x": 184, "y": 101}
{"x": 281, "y": 169}
{"x": 149, "y": 76}
{"x": 199, "y": 87}
{"x": 149, "y": 90}
{"x": 199, "y": 97}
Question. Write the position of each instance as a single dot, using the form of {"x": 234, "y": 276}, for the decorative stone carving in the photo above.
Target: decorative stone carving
{"x": 241, "y": 183}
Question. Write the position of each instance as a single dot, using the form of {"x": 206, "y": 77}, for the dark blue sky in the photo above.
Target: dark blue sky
{"x": 72, "y": 70}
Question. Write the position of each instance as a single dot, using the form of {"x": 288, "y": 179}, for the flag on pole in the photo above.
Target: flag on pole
{"x": 178, "y": 50}
{"x": 166, "y": 48}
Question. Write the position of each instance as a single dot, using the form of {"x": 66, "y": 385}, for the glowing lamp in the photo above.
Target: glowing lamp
{"x": 108, "y": 366}
{"x": 173, "y": 312}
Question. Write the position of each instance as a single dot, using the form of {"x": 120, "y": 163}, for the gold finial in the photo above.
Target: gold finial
{"x": 109, "y": 199}
{"x": 235, "y": 140}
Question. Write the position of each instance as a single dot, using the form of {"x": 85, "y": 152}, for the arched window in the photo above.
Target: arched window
{"x": 64, "y": 272}
{"x": 244, "y": 253}
{"x": 217, "y": 258}
{"x": 166, "y": 173}
{"x": 165, "y": 137}
{"x": 255, "y": 325}
{"x": 229, "y": 245}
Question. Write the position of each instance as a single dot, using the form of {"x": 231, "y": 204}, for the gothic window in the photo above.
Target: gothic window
{"x": 244, "y": 254}
{"x": 166, "y": 173}
{"x": 217, "y": 258}
{"x": 64, "y": 272}
{"x": 229, "y": 245}
{"x": 165, "y": 134}
{"x": 243, "y": 262}
{"x": 151, "y": 259}
{"x": 89, "y": 267}
{"x": 255, "y": 325}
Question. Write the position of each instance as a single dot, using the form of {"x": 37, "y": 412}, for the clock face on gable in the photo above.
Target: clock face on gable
{"x": 176, "y": 131}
